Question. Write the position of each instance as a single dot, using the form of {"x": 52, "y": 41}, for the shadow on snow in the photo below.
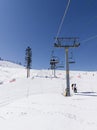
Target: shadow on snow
{"x": 87, "y": 93}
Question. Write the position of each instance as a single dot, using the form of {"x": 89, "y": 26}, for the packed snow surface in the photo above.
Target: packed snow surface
{"x": 39, "y": 102}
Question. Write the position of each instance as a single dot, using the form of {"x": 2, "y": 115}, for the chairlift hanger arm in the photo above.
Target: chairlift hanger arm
{"x": 67, "y": 39}
{"x": 66, "y": 46}
{"x": 60, "y": 39}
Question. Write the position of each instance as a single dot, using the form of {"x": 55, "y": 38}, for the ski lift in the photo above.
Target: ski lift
{"x": 71, "y": 62}
{"x": 54, "y": 60}
{"x": 60, "y": 65}
{"x": 71, "y": 59}
{"x": 76, "y": 43}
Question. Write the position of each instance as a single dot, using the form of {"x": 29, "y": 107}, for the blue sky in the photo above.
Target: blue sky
{"x": 35, "y": 23}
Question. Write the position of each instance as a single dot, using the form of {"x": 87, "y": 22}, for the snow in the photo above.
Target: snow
{"x": 39, "y": 102}
{"x": 9, "y": 64}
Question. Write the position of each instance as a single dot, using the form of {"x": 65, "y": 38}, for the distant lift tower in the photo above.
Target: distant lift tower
{"x": 54, "y": 60}
{"x": 66, "y": 47}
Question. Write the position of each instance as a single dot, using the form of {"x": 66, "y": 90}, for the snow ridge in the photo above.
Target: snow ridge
{"x": 9, "y": 64}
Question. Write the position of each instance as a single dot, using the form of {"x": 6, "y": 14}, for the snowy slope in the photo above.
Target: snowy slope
{"x": 9, "y": 64}
{"x": 38, "y": 102}
{"x": 9, "y": 70}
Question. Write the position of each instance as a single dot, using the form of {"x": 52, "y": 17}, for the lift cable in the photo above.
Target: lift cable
{"x": 60, "y": 27}
{"x": 90, "y": 38}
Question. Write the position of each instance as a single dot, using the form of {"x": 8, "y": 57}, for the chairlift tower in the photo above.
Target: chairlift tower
{"x": 54, "y": 60}
{"x": 66, "y": 47}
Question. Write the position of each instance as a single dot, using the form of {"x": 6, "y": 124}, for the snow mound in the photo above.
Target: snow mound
{"x": 9, "y": 64}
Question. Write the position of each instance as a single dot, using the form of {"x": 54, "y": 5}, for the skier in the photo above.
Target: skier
{"x": 75, "y": 88}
